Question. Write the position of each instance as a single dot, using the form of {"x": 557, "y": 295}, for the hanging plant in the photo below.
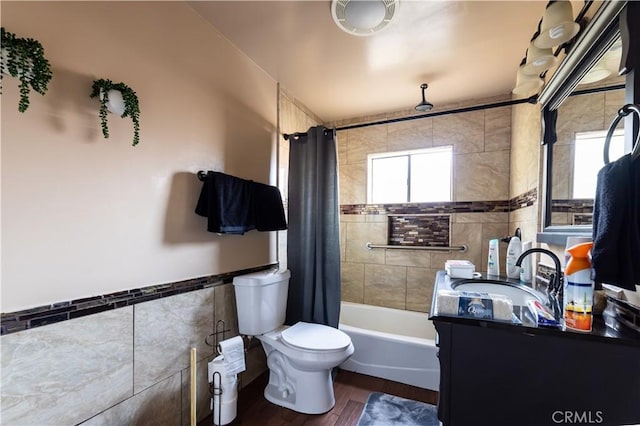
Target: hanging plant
{"x": 119, "y": 99}
{"x": 24, "y": 59}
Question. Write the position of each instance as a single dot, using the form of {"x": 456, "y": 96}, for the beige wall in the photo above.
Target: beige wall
{"x": 82, "y": 215}
{"x": 404, "y": 279}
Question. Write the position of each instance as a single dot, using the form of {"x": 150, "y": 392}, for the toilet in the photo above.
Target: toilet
{"x": 300, "y": 357}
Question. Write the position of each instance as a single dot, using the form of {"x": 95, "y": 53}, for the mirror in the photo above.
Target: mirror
{"x": 579, "y": 103}
{"x": 581, "y": 127}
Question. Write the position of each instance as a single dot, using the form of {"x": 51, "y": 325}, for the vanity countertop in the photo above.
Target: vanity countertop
{"x": 605, "y": 327}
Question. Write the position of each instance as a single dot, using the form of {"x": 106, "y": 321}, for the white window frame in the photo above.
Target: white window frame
{"x": 407, "y": 153}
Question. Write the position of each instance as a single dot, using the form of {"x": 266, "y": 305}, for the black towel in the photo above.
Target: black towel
{"x": 616, "y": 224}
{"x": 234, "y": 206}
{"x": 227, "y": 202}
{"x": 268, "y": 209}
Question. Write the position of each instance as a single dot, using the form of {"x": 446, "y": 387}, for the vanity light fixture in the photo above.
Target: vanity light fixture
{"x": 538, "y": 60}
{"x": 527, "y": 84}
{"x": 596, "y": 73}
{"x": 558, "y": 26}
{"x": 363, "y": 17}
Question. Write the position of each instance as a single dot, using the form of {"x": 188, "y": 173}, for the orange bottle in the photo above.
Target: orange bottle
{"x": 578, "y": 289}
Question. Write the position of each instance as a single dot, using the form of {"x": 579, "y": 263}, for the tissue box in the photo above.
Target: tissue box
{"x": 459, "y": 268}
{"x": 474, "y": 305}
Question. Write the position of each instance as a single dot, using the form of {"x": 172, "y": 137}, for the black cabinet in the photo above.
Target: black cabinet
{"x": 498, "y": 375}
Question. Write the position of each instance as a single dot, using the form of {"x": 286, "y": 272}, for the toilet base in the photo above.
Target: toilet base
{"x": 312, "y": 392}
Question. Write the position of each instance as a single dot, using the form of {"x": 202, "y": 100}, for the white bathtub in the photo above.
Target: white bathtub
{"x": 392, "y": 344}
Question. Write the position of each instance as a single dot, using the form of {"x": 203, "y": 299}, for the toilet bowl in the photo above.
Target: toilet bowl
{"x": 300, "y": 357}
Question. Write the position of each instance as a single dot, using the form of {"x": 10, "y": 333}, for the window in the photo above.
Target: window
{"x": 410, "y": 176}
{"x": 587, "y": 159}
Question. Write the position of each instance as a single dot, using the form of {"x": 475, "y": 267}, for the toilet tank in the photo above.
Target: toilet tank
{"x": 261, "y": 299}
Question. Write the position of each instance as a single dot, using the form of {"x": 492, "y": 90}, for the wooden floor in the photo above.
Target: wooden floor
{"x": 351, "y": 390}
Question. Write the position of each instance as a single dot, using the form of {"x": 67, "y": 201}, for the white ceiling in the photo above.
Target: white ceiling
{"x": 463, "y": 49}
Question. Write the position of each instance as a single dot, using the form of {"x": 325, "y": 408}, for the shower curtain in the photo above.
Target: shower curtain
{"x": 313, "y": 240}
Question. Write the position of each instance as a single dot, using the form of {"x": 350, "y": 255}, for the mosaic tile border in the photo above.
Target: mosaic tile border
{"x": 582, "y": 219}
{"x": 502, "y": 206}
{"x": 49, "y": 314}
{"x": 427, "y": 208}
{"x": 577, "y": 205}
{"x": 526, "y": 199}
{"x": 419, "y": 230}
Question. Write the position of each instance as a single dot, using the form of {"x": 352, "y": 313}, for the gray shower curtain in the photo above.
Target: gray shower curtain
{"x": 313, "y": 240}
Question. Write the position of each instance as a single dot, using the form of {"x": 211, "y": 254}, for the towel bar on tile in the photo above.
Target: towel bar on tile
{"x": 463, "y": 248}
{"x": 622, "y": 112}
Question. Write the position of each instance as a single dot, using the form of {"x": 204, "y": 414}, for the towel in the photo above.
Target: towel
{"x": 616, "y": 224}
{"x": 234, "y": 206}
{"x": 268, "y": 209}
{"x": 227, "y": 202}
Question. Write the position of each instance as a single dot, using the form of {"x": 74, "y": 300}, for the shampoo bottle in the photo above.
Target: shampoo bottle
{"x": 578, "y": 289}
{"x": 525, "y": 271}
{"x": 493, "y": 261}
{"x": 513, "y": 252}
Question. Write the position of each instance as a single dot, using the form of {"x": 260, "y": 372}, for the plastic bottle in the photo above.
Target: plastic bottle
{"x": 578, "y": 289}
{"x": 525, "y": 271}
{"x": 493, "y": 260}
{"x": 572, "y": 241}
{"x": 514, "y": 249}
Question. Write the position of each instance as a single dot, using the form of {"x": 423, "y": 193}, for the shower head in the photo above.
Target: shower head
{"x": 424, "y": 105}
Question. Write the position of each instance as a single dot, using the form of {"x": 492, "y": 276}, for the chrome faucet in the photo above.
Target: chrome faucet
{"x": 554, "y": 289}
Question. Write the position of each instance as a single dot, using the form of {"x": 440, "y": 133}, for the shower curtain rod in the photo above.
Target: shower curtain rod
{"x": 531, "y": 100}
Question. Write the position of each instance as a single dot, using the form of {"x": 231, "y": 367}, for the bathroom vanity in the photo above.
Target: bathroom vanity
{"x": 514, "y": 373}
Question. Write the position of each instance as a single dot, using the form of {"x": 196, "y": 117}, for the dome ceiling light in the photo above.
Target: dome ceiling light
{"x": 363, "y": 17}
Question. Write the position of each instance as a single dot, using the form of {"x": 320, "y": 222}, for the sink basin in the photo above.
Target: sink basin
{"x": 518, "y": 293}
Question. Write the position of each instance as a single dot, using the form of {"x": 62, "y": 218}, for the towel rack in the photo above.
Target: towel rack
{"x": 622, "y": 112}
{"x": 202, "y": 175}
{"x": 463, "y": 248}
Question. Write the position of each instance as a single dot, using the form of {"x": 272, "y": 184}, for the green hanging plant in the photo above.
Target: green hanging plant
{"x": 128, "y": 107}
{"x": 24, "y": 59}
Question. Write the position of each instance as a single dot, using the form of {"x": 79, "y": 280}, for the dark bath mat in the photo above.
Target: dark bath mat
{"x": 384, "y": 410}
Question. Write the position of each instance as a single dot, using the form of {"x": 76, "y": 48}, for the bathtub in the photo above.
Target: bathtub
{"x": 392, "y": 344}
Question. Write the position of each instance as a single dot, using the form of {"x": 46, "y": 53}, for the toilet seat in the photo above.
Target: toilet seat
{"x": 315, "y": 337}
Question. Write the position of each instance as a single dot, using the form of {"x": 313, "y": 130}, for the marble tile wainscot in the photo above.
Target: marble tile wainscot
{"x": 121, "y": 358}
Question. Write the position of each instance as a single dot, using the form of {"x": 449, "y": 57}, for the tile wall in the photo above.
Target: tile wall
{"x": 127, "y": 365}
{"x": 581, "y": 113}
{"x": 404, "y": 279}
{"x": 525, "y": 176}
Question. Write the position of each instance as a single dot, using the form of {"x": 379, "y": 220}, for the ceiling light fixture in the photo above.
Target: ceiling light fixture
{"x": 363, "y": 17}
{"x": 424, "y": 105}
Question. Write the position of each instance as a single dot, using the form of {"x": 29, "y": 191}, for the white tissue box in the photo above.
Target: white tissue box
{"x": 474, "y": 305}
{"x": 459, "y": 268}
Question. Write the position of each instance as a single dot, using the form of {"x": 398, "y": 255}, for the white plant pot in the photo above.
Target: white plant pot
{"x": 115, "y": 104}
{"x": 3, "y": 54}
